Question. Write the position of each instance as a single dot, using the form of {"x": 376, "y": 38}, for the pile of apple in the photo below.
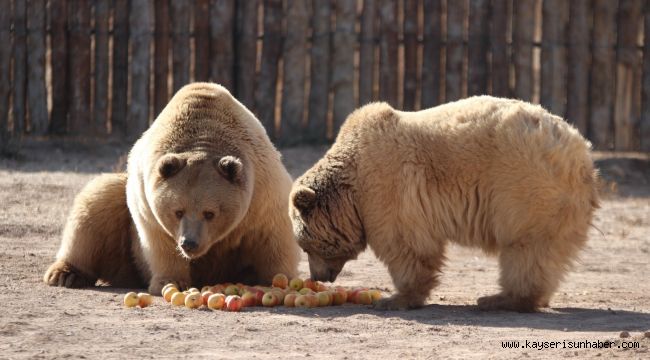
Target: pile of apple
{"x": 295, "y": 293}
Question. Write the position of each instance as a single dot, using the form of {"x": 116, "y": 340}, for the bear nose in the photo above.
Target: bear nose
{"x": 188, "y": 244}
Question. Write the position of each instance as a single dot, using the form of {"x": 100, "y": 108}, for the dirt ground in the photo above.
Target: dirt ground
{"x": 607, "y": 293}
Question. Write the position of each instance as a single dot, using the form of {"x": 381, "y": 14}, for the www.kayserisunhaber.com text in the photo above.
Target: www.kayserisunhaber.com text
{"x": 569, "y": 344}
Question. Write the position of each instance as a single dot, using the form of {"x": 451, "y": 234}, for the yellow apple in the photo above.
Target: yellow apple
{"x": 131, "y": 299}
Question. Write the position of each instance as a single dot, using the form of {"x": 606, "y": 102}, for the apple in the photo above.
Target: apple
{"x": 233, "y": 303}
{"x": 205, "y": 288}
{"x": 339, "y": 296}
{"x": 170, "y": 285}
{"x": 216, "y": 302}
{"x": 193, "y": 290}
{"x": 270, "y": 299}
{"x": 193, "y": 300}
{"x": 280, "y": 280}
{"x": 352, "y": 294}
{"x": 167, "y": 294}
{"x": 145, "y": 300}
{"x": 231, "y": 290}
{"x": 205, "y": 296}
{"x": 305, "y": 291}
{"x": 301, "y": 301}
{"x": 296, "y": 284}
{"x": 131, "y": 299}
{"x": 290, "y": 299}
{"x": 324, "y": 298}
{"x": 280, "y": 294}
{"x": 320, "y": 287}
{"x": 310, "y": 284}
{"x": 313, "y": 299}
{"x": 248, "y": 299}
{"x": 363, "y": 298}
{"x": 217, "y": 289}
{"x": 375, "y": 295}
{"x": 259, "y": 294}
{"x": 178, "y": 299}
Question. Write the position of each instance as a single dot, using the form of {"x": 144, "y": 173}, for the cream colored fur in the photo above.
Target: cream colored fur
{"x": 177, "y": 166}
{"x": 502, "y": 175}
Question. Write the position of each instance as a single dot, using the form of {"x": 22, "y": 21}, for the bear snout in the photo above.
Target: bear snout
{"x": 188, "y": 244}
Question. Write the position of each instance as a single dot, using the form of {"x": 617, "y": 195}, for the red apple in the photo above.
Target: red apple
{"x": 248, "y": 299}
{"x": 205, "y": 296}
{"x": 290, "y": 299}
{"x": 217, "y": 289}
{"x": 144, "y": 300}
{"x": 320, "y": 287}
{"x": 339, "y": 296}
{"x": 310, "y": 284}
{"x": 281, "y": 281}
{"x": 233, "y": 303}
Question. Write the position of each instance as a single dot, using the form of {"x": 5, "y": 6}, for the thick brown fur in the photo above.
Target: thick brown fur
{"x": 205, "y": 173}
{"x": 502, "y": 175}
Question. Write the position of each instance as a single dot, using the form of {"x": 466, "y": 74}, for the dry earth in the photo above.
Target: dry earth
{"x": 607, "y": 293}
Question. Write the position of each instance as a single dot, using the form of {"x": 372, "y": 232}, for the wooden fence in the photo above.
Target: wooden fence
{"x": 105, "y": 68}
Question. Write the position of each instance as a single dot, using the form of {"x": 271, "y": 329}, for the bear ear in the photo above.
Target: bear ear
{"x": 231, "y": 168}
{"x": 169, "y": 165}
{"x": 304, "y": 199}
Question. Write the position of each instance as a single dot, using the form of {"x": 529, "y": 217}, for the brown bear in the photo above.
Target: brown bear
{"x": 207, "y": 202}
{"x": 502, "y": 175}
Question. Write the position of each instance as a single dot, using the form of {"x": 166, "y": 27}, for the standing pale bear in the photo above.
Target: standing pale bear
{"x": 502, "y": 175}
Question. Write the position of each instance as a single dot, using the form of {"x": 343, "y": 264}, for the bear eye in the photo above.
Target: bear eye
{"x": 179, "y": 214}
{"x": 208, "y": 215}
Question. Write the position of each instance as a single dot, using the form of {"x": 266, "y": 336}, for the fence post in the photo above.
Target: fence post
{"x": 266, "y": 92}
{"x": 222, "y": 13}
{"x": 37, "y": 95}
{"x": 367, "y": 51}
{"x": 500, "y": 69}
{"x": 202, "y": 40}
{"x": 79, "y": 60}
{"x": 246, "y": 50}
{"x": 578, "y": 77}
{"x": 120, "y": 67}
{"x": 102, "y": 14}
{"x": 431, "y": 36}
{"x": 409, "y": 101}
{"x": 602, "y": 74}
{"x": 555, "y": 14}
{"x": 522, "y": 54}
{"x": 343, "y": 61}
{"x": 141, "y": 24}
{"x": 388, "y": 52}
{"x": 295, "y": 54}
{"x": 320, "y": 72}
{"x": 181, "y": 12}
{"x": 645, "y": 117}
{"x": 59, "y": 40}
{"x": 6, "y": 52}
{"x": 456, "y": 12}
{"x": 477, "y": 49}
{"x": 627, "y": 70}
{"x": 20, "y": 68}
{"x": 161, "y": 56}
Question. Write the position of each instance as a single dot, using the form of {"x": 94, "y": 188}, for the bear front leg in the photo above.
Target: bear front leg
{"x": 62, "y": 273}
{"x": 413, "y": 278}
{"x": 165, "y": 263}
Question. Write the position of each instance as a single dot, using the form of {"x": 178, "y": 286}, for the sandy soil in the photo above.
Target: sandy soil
{"x": 607, "y": 293}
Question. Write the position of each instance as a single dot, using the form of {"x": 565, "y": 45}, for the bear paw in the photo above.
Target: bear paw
{"x": 505, "y": 302}
{"x": 63, "y": 274}
{"x": 156, "y": 284}
{"x": 396, "y": 302}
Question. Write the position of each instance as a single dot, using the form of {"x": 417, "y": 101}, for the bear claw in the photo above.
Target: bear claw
{"x": 63, "y": 274}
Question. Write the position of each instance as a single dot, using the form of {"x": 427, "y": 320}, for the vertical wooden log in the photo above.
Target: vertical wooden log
{"x": 295, "y": 55}
{"x": 628, "y": 62}
{"x": 141, "y": 24}
{"x": 477, "y": 47}
{"x": 6, "y": 53}
{"x": 59, "y": 59}
{"x": 388, "y": 52}
{"x": 20, "y": 67}
{"x": 555, "y": 16}
{"x": 456, "y": 12}
{"x": 120, "y": 67}
{"x": 202, "y": 40}
{"x": 222, "y": 13}
{"x": 343, "y": 43}
{"x": 161, "y": 56}
{"x": 246, "y": 50}
{"x": 102, "y": 14}
{"x": 644, "y": 125}
{"x": 181, "y": 11}
{"x": 410, "y": 54}
{"x": 79, "y": 60}
{"x": 578, "y": 74}
{"x": 432, "y": 43}
{"x": 320, "y": 72}
{"x": 500, "y": 67}
{"x": 522, "y": 52}
{"x": 36, "y": 93}
{"x": 602, "y": 74}
{"x": 265, "y": 94}
{"x": 367, "y": 51}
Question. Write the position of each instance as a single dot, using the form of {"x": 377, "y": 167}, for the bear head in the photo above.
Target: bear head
{"x": 327, "y": 226}
{"x": 198, "y": 198}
